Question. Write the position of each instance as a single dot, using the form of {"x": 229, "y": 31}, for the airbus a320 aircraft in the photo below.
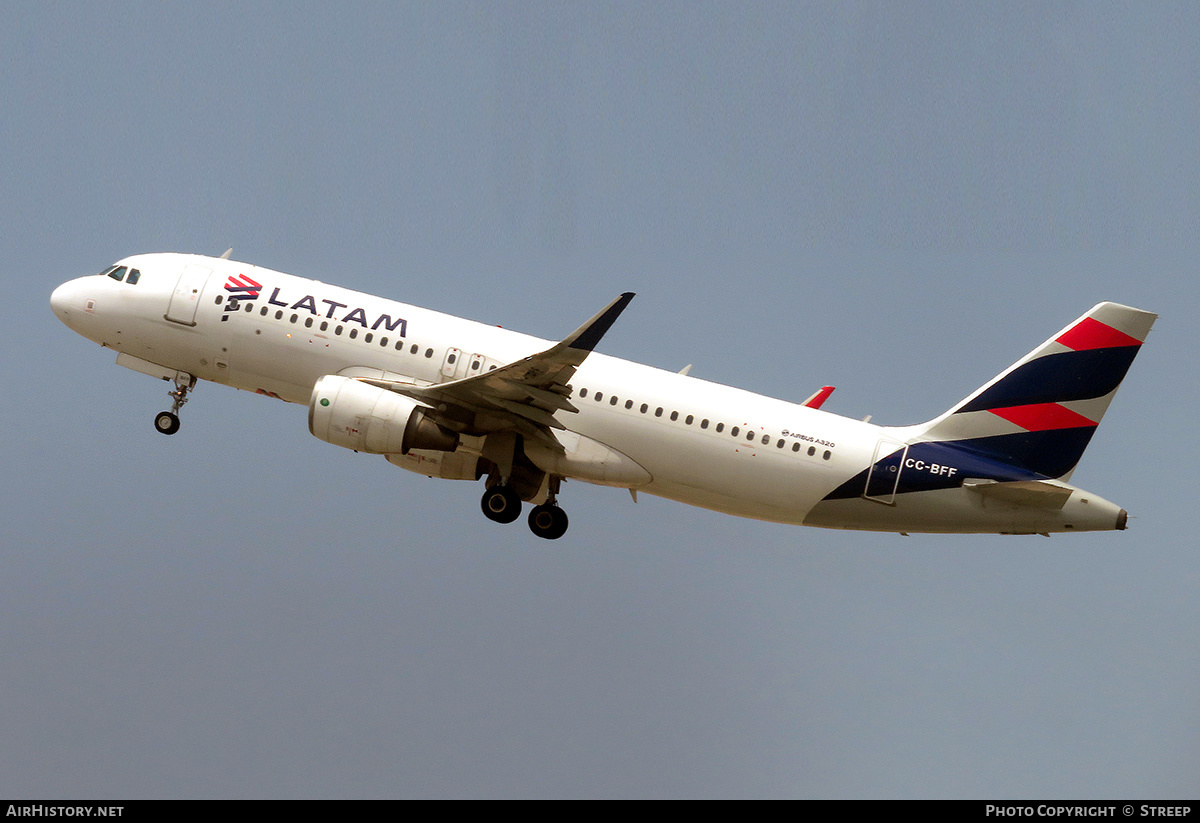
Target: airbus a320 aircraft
{"x": 455, "y": 399}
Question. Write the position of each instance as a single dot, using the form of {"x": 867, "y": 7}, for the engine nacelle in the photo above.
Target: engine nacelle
{"x": 365, "y": 418}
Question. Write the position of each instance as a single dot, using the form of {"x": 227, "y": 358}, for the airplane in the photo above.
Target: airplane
{"x": 455, "y": 399}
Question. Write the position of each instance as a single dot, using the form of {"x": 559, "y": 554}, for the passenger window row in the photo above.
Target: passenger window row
{"x": 325, "y": 325}
{"x": 598, "y": 396}
{"x": 736, "y": 431}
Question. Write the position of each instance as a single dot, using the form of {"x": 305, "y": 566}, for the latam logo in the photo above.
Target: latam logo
{"x": 243, "y": 287}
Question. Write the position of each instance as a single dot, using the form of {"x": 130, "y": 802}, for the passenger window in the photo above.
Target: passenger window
{"x": 264, "y": 311}
{"x": 367, "y": 339}
{"x": 779, "y": 445}
{"x": 429, "y": 352}
{"x": 383, "y": 341}
{"x": 704, "y": 423}
{"x": 629, "y": 404}
{"x": 249, "y": 308}
{"x": 688, "y": 420}
{"x": 353, "y": 333}
{"x": 658, "y": 412}
{"x": 337, "y": 329}
{"x": 720, "y": 428}
{"x": 220, "y": 297}
{"x": 674, "y": 415}
{"x": 749, "y": 437}
{"x": 451, "y": 358}
{"x": 795, "y": 447}
{"x": 324, "y": 325}
{"x": 308, "y": 321}
{"x": 766, "y": 439}
{"x": 399, "y": 345}
{"x": 294, "y": 318}
{"x": 734, "y": 431}
{"x": 414, "y": 349}
{"x": 279, "y": 315}
{"x": 599, "y": 396}
{"x": 612, "y": 401}
{"x": 583, "y": 392}
{"x": 827, "y": 454}
{"x": 812, "y": 450}
{"x": 644, "y": 408}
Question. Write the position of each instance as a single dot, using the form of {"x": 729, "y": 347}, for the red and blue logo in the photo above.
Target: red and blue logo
{"x": 242, "y": 287}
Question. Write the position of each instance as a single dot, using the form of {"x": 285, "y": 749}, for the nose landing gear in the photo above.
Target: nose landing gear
{"x": 168, "y": 422}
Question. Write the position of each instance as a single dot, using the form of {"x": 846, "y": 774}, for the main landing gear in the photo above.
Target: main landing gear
{"x": 503, "y": 505}
{"x": 168, "y": 422}
{"x": 548, "y": 521}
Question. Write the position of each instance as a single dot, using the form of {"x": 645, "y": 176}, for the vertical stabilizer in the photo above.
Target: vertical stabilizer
{"x": 1040, "y": 413}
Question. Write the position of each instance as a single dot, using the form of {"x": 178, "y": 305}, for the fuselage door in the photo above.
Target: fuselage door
{"x": 453, "y": 364}
{"x": 186, "y": 297}
{"x": 884, "y": 476}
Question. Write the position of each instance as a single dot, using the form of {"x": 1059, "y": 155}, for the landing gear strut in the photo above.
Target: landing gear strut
{"x": 514, "y": 477}
{"x": 168, "y": 422}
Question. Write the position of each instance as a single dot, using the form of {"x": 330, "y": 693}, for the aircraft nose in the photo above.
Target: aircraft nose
{"x": 66, "y": 300}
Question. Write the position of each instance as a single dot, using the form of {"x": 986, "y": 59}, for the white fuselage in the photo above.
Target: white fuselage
{"x": 781, "y": 463}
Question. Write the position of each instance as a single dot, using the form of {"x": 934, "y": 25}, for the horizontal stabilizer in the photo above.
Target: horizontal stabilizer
{"x": 1042, "y": 494}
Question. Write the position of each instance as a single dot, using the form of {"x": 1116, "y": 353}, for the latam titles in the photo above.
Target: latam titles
{"x": 323, "y": 307}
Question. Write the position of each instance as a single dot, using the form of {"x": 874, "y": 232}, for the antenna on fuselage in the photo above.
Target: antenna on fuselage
{"x": 228, "y": 252}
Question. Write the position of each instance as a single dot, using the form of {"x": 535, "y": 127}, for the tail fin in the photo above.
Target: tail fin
{"x": 1041, "y": 412}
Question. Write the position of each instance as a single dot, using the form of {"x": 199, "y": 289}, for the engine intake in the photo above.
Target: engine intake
{"x": 365, "y": 418}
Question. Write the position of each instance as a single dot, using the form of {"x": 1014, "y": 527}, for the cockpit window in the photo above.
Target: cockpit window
{"x": 117, "y": 272}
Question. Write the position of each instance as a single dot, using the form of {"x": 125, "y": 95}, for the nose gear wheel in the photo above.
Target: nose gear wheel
{"x": 167, "y": 422}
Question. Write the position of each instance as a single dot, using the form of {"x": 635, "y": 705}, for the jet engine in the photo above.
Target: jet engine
{"x": 365, "y": 418}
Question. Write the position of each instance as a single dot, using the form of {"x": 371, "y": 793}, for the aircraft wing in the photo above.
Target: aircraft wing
{"x": 523, "y": 395}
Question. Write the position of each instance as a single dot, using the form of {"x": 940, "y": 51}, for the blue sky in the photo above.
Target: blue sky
{"x": 897, "y": 199}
